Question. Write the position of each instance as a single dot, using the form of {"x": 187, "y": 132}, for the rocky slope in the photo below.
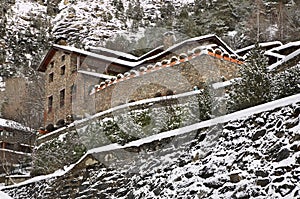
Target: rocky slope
{"x": 252, "y": 157}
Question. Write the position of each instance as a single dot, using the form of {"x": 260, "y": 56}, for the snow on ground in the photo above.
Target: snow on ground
{"x": 4, "y": 195}
{"x": 254, "y": 157}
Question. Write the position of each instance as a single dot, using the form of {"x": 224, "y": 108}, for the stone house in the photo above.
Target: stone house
{"x": 71, "y": 74}
{"x": 16, "y": 145}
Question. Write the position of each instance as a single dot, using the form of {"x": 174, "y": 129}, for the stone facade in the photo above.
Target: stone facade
{"x": 179, "y": 78}
{"x": 60, "y": 76}
{"x": 68, "y": 89}
{"x": 16, "y": 146}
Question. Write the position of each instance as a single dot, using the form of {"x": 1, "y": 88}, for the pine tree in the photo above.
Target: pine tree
{"x": 255, "y": 84}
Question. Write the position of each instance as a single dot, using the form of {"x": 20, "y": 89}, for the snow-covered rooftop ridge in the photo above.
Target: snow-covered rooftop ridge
{"x": 138, "y": 60}
{"x": 95, "y": 55}
{"x": 284, "y": 46}
{"x": 265, "y": 44}
{"x": 95, "y": 74}
{"x": 13, "y": 125}
{"x": 273, "y": 54}
{"x": 117, "y": 53}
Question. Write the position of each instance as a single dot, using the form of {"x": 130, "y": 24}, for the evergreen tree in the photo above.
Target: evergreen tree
{"x": 255, "y": 84}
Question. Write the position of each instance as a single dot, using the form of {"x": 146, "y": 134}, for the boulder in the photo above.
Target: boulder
{"x": 282, "y": 154}
{"x": 235, "y": 178}
{"x": 258, "y": 134}
{"x": 263, "y": 182}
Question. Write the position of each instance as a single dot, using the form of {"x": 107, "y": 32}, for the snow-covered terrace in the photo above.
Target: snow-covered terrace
{"x": 275, "y": 52}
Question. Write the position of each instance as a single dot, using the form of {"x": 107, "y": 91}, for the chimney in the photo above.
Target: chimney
{"x": 169, "y": 39}
{"x": 61, "y": 41}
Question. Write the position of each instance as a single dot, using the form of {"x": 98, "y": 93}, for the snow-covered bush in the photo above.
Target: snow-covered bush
{"x": 174, "y": 59}
{"x": 149, "y": 67}
{"x": 120, "y": 76}
{"x": 286, "y": 83}
{"x": 56, "y": 153}
{"x": 218, "y": 51}
{"x": 143, "y": 69}
{"x": 183, "y": 56}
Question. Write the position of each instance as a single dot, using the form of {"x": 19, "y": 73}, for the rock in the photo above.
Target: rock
{"x": 205, "y": 173}
{"x": 279, "y": 134}
{"x": 285, "y": 189}
{"x": 193, "y": 192}
{"x": 261, "y": 173}
{"x": 178, "y": 179}
{"x": 292, "y": 124}
{"x": 282, "y": 154}
{"x": 157, "y": 191}
{"x": 189, "y": 175}
{"x": 130, "y": 195}
{"x": 202, "y": 137}
{"x": 295, "y": 138}
{"x": 259, "y": 134}
{"x": 295, "y": 147}
{"x": 182, "y": 163}
{"x": 280, "y": 179}
{"x": 260, "y": 121}
{"x": 296, "y": 111}
{"x": 214, "y": 184}
{"x": 262, "y": 182}
{"x": 235, "y": 178}
{"x": 298, "y": 160}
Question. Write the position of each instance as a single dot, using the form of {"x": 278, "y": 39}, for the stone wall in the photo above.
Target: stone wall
{"x": 179, "y": 78}
{"x": 60, "y": 82}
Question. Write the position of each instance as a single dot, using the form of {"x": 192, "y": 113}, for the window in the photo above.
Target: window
{"x": 52, "y": 64}
{"x": 73, "y": 91}
{"x": 62, "y": 97}
{"x": 63, "y": 58}
{"x": 51, "y": 75}
{"x": 50, "y": 103}
{"x": 62, "y": 70}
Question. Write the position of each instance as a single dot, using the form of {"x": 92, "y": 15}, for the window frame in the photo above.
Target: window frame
{"x": 62, "y": 97}
{"x": 50, "y": 105}
{"x": 63, "y": 70}
{"x": 51, "y": 77}
{"x": 63, "y": 58}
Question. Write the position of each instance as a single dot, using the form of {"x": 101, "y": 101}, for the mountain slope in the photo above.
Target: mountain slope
{"x": 255, "y": 156}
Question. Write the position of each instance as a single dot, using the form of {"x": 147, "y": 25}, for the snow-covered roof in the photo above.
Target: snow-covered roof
{"x": 265, "y": 44}
{"x": 114, "y": 52}
{"x": 285, "y": 46}
{"x": 95, "y": 74}
{"x": 136, "y": 60}
{"x": 14, "y": 125}
{"x": 285, "y": 59}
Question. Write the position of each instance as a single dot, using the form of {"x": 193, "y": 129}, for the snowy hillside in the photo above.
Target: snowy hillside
{"x": 256, "y": 155}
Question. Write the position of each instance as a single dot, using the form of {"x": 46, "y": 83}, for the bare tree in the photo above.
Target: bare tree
{"x": 24, "y": 100}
